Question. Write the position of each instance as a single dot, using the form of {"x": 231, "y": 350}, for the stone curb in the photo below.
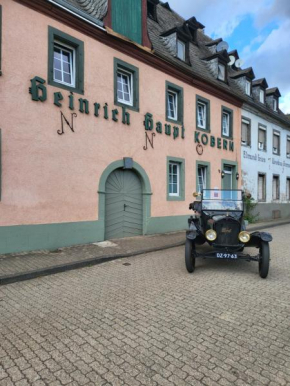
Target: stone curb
{"x": 13, "y": 278}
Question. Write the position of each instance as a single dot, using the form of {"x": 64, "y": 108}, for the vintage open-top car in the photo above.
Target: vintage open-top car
{"x": 218, "y": 220}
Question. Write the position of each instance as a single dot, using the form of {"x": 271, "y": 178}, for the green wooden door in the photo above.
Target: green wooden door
{"x": 123, "y": 209}
{"x": 127, "y": 18}
{"x": 228, "y": 178}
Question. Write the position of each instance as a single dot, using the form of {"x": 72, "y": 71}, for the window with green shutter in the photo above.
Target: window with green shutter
{"x": 127, "y": 18}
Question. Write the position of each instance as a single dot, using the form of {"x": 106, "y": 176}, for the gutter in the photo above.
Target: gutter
{"x": 78, "y": 13}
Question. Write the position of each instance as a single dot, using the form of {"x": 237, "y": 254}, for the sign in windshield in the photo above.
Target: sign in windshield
{"x": 215, "y": 199}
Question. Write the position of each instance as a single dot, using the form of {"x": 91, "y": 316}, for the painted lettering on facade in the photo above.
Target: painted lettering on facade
{"x": 253, "y": 157}
{"x": 205, "y": 139}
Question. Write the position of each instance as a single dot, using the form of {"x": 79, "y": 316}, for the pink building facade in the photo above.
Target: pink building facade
{"x": 80, "y": 163}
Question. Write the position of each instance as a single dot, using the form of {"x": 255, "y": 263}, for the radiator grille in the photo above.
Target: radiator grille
{"x": 227, "y": 232}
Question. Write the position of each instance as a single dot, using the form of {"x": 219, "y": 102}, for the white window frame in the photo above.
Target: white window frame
{"x": 72, "y": 55}
{"x": 129, "y": 76}
{"x": 276, "y": 196}
{"x": 288, "y": 188}
{"x": 246, "y": 143}
{"x": 226, "y": 133}
{"x": 248, "y": 87}
{"x": 203, "y": 181}
{"x": 221, "y": 71}
{"x": 276, "y": 151}
{"x": 180, "y": 44}
{"x": 262, "y": 145}
{"x": 262, "y": 96}
{"x": 174, "y": 94}
{"x": 263, "y": 176}
{"x": 204, "y": 113}
{"x": 288, "y": 142}
{"x": 170, "y": 173}
{"x": 275, "y": 104}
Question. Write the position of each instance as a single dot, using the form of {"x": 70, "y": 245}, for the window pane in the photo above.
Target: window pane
{"x": 201, "y": 108}
{"x": 173, "y": 179}
{"x": 244, "y": 132}
{"x": 57, "y": 75}
{"x": 172, "y": 105}
{"x": 66, "y": 78}
{"x": 221, "y": 71}
{"x": 66, "y": 67}
{"x": 57, "y": 64}
{"x": 63, "y": 64}
{"x": 261, "y": 187}
{"x": 226, "y": 124}
{"x": 180, "y": 50}
{"x": 57, "y": 53}
{"x": 124, "y": 87}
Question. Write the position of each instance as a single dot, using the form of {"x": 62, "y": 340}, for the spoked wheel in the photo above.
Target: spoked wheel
{"x": 189, "y": 256}
{"x": 264, "y": 261}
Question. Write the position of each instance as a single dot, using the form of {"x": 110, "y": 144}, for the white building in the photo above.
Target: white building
{"x": 265, "y": 151}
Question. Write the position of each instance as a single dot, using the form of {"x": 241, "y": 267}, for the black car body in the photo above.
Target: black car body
{"x": 218, "y": 220}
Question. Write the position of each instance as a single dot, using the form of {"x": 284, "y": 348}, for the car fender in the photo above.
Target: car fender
{"x": 258, "y": 237}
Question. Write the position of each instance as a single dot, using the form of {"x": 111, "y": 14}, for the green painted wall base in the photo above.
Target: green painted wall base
{"x": 48, "y": 236}
{"x": 167, "y": 224}
{"x": 23, "y": 238}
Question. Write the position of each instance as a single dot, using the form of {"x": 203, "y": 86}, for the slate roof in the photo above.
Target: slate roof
{"x": 168, "y": 19}
{"x": 246, "y": 72}
{"x": 273, "y": 91}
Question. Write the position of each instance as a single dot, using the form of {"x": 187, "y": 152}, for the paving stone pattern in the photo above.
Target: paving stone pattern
{"x": 37, "y": 260}
{"x": 149, "y": 322}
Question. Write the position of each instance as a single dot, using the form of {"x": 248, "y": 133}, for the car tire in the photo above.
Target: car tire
{"x": 264, "y": 261}
{"x": 189, "y": 256}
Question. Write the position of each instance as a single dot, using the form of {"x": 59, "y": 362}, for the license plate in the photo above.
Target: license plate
{"x": 226, "y": 255}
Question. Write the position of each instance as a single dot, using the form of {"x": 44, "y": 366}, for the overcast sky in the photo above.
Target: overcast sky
{"x": 258, "y": 29}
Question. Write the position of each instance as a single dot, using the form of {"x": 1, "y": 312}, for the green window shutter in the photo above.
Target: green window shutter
{"x": 127, "y": 19}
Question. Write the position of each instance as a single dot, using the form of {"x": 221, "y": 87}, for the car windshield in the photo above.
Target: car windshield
{"x": 216, "y": 199}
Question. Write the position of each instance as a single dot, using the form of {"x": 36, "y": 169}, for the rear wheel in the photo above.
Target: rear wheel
{"x": 189, "y": 256}
{"x": 264, "y": 261}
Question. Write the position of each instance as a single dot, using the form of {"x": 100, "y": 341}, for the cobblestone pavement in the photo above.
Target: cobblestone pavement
{"x": 146, "y": 321}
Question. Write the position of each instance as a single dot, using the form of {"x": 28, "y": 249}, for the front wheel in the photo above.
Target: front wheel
{"x": 264, "y": 261}
{"x": 189, "y": 256}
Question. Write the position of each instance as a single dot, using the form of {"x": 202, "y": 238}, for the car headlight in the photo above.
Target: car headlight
{"x": 210, "y": 235}
{"x": 244, "y": 237}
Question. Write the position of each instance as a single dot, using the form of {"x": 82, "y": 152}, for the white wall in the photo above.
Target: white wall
{"x": 254, "y": 161}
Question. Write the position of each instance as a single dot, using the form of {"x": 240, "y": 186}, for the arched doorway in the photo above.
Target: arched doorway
{"x": 123, "y": 205}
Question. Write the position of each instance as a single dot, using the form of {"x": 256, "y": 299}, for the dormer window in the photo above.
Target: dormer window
{"x": 262, "y": 96}
{"x": 275, "y": 104}
{"x": 248, "y": 87}
{"x": 151, "y": 10}
{"x": 180, "y": 50}
{"x": 221, "y": 72}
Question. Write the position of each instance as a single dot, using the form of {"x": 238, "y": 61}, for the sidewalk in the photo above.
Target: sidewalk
{"x": 29, "y": 265}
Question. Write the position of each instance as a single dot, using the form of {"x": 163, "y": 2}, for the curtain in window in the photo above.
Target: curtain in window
{"x": 245, "y": 132}
{"x": 261, "y": 187}
{"x": 275, "y": 187}
{"x": 276, "y": 139}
